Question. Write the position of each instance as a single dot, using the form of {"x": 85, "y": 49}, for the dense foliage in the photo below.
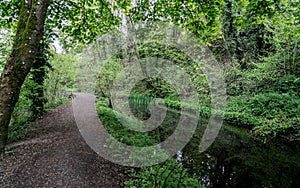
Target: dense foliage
{"x": 169, "y": 174}
{"x": 255, "y": 42}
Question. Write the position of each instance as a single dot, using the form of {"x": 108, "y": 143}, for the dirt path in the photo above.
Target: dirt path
{"x": 55, "y": 155}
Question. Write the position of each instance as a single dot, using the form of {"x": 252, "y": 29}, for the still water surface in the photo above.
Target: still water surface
{"x": 236, "y": 159}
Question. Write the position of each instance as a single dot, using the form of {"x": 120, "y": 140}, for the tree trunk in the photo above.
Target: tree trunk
{"x": 29, "y": 32}
{"x": 38, "y": 72}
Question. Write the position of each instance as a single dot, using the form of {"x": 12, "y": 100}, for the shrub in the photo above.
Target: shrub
{"x": 167, "y": 175}
{"x": 267, "y": 113}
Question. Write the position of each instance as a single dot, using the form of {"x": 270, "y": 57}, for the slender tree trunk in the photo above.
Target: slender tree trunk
{"x": 29, "y": 32}
{"x": 38, "y": 77}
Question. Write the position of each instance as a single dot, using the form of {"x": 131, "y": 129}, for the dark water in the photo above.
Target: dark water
{"x": 238, "y": 160}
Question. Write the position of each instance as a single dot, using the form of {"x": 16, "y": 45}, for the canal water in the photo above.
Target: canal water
{"x": 236, "y": 158}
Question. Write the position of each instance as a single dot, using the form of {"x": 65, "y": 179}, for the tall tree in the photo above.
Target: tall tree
{"x": 28, "y": 35}
{"x": 80, "y": 21}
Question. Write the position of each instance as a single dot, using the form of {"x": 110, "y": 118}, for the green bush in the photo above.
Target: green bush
{"x": 21, "y": 115}
{"x": 117, "y": 130}
{"x": 167, "y": 175}
{"x": 267, "y": 113}
{"x": 106, "y": 76}
{"x": 288, "y": 84}
{"x": 170, "y": 174}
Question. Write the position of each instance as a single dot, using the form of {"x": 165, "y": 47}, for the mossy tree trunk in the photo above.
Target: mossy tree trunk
{"x": 38, "y": 72}
{"x": 27, "y": 39}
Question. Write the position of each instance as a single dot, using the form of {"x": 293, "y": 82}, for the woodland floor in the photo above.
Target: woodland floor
{"x": 55, "y": 155}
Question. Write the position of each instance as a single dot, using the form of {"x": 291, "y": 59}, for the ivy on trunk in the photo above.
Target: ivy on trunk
{"x": 27, "y": 39}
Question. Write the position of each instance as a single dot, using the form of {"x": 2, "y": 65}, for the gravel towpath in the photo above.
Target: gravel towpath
{"x": 55, "y": 155}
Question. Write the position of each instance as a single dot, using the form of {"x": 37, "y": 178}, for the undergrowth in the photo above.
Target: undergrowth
{"x": 168, "y": 174}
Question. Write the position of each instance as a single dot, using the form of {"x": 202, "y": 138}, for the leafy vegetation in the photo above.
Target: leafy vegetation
{"x": 268, "y": 113}
{"x": 55, "y": 83}
{"x": 256, "y": 44}
{"x": 169, "y": 174}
